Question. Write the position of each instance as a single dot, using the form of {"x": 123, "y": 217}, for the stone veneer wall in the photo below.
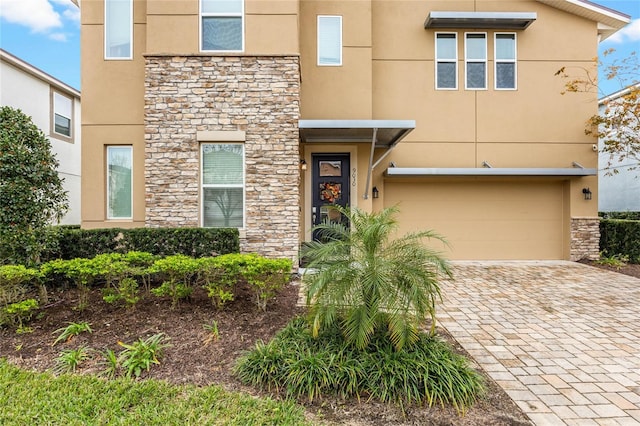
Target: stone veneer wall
{"x": 256, "y": 94}
{"x": 585, "y": 238}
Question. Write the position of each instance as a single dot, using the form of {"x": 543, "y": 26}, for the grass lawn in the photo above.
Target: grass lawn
{"x": 41, "y": 398}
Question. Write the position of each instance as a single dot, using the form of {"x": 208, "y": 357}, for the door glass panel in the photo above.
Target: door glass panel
{"x": 330, "y": 168}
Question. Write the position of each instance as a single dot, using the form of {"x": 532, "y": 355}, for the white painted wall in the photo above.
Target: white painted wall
{"x": 618, "y": 186}
{"x": 30, "y": 92}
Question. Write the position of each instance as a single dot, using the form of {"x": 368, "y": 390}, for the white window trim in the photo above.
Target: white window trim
{"x": 119, "y": 58}
{"x": 52, "y": 117}
{"x": 477, "y": 61}
{"x": 108, "y": 185}
{"x": 222, "y": 15}
{"x": 320, "y": 64}
{"x": 505, "y": 61}
{"x": 235, "y": 185}
{"x": 437, "y": 61}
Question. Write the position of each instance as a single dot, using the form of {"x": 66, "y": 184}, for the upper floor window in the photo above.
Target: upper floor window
{"x": 62, "y": 115}
{"x": 475, "y": 59}
{"x": 222, "y": 25}
{"x": 222, "y": 185}
{"x": 505, "y": 61}
{"x": 446, "y": 61}
{"x": 118, "y": 29}
{"x": 119, "y": 182}
{"x": 330, "y": 40}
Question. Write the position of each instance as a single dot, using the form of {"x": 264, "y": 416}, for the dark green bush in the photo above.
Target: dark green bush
{"x": 73, "y": 242}
{"x": 620, "y": 215}
{"x": 620, "y": 237}
{"x": 427, "y": 373}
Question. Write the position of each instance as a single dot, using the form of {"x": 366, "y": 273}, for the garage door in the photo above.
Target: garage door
{"x": 485, "y": 220}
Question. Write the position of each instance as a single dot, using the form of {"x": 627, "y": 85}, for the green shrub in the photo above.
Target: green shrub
{"x": 142, "y": 354}
{"x": 620, "y": 237}
{"x": 18, "y": 313}
{"x": 427, "y": 373}
{"x": 72, "y": 242}
{"x": 82, "y": 272}
{"x": 620, "y": 215}
{"x": 266, "y": 277}
{"x": 15, "y": 281}
{"x": 179, "y": 271}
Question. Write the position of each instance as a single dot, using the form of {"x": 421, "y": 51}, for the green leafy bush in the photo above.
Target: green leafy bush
{"x": 179, "y": 271}
{"x": 70, "y": 359}
{"x": 266, "y": 277}
{"x": 428, "y": 373}
{"x": 72, "y": 242}
{"x": 620, "y": 237}
{"x": 15, "y": 281}
{"x": 620, "y": 215}
{"x": 71, "y": 330}
{"x": 82, "y": 272}
{"x": 18, "y": 313}
{"x": 365, "y": 280}
{"x": 142, "y": 354}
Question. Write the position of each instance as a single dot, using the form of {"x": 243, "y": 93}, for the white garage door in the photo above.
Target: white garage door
{"x": 484, "y": 219}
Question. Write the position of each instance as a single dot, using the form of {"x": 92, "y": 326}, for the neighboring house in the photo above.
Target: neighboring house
{"x": 619, "y": 182}
{"x": 54, "y": 108}
{"x": 261, "y": 114}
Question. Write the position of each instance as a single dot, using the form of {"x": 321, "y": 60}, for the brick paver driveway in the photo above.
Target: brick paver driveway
{"x": 562, "y": 338}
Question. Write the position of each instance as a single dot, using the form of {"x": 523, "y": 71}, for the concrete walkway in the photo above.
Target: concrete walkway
{"x": 562, "y": 338}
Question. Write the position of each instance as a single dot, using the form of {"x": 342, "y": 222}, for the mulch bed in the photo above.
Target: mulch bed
{"x": 193, "y": 359}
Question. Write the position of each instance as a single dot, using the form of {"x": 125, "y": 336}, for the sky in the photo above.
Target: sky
{"x": 46, "y": 34}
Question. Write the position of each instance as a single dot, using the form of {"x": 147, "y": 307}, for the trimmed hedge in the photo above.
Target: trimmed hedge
{"x": 621, "y": 237}
{"x": 73, "y": 242}
{"x": 620, "y": 215}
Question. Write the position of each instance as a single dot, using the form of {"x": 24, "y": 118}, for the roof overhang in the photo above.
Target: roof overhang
{"x": 480, "y": 20}
{"x": 387, "y": 132}
{"x": 482, "y": 171}
{"x": 609, "y": 20}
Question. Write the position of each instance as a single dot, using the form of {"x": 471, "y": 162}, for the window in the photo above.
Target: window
{"x": 222, "y": 185}
{"x": 119, "y": 182}
{"x": 118, "y": 29}
{"x": 330, "y": 40}
{"x": 475, "y": 59}
{"x": 446, "y": 61}
{"x": 505, "y": 61}
{"x": 222, "y": 25}
{"x": 62, "y": 114}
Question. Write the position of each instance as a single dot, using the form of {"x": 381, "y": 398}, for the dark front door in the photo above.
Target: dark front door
{"x": 330, "y": 187}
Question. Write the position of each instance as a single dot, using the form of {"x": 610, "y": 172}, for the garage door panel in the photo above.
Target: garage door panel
{"x": 485, "y": 220}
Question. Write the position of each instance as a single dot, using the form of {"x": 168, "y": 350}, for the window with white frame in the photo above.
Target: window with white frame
{"x": 505, "y": 61}
{"x": 475, "y": 59}
{"x": 119, "y": 182}
{"x": 222, "y": 185}
{"x": 62, "y": 115}
{"x": 330, "y": 40}
{"x": 446, "y": 61}
{"x": 222, "y": 25}
{"x": 118, "y": 29}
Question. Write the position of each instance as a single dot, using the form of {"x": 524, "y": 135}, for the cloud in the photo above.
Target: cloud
{"x": 58, "y": 37}
{"x": 72, "y": 14}
{"x": 38, "y": 15}
{"x": 629, "y": 33}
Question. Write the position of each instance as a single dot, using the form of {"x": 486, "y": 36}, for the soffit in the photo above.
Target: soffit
{"x": 609, "y": 20}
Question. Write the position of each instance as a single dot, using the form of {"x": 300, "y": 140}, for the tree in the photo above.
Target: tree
{"x": 31, "y": 192}
{"x": 617, "y": 125}
{"x": 365, "y": 281}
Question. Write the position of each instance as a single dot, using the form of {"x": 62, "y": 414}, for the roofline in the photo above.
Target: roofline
{"x": 620, "y": 93}
{"x": 38, "y": 73}
{"x": 609, "y": 20}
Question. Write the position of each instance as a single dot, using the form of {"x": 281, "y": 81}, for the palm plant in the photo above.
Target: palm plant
{"x": 363, "y": 279}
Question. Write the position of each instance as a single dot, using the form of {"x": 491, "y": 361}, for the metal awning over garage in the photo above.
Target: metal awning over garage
{"x": 478, "y": 171}
{"x": 384, "y": 134}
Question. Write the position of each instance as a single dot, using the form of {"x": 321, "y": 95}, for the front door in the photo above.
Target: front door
{"x": 330, "y": 187}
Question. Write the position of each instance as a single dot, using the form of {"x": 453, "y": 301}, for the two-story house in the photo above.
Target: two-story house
{"x": 260, "y": 114}
{"x": 54, "y": 108}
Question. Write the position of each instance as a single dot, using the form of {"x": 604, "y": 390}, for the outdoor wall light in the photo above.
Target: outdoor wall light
{"x": 303, "y": 165}
{"x": 587, "y": 193}
{"x": 375, "y": 192}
